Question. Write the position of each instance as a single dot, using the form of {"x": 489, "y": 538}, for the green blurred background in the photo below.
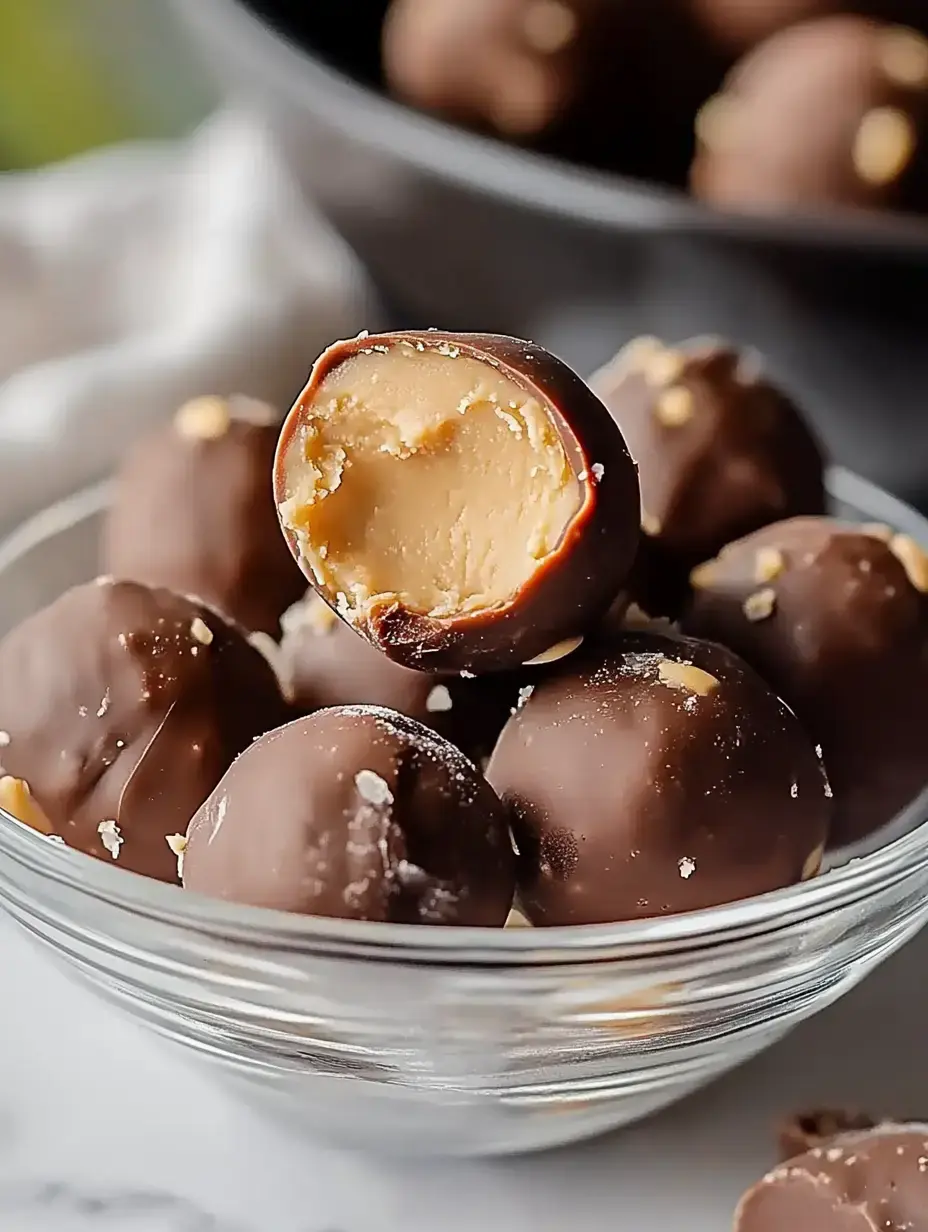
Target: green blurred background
{"x": 80, "y": 73}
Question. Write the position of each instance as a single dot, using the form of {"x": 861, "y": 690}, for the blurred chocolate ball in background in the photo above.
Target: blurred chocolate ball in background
{"x": 830, "y": 113}
{"x": 193, "y": 510}
{"x": 610, "y": 82}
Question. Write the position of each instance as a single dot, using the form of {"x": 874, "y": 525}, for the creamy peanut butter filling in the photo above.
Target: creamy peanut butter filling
{"x": 428, "y": 479}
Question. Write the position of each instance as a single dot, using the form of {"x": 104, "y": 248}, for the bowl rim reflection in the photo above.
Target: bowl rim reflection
{"x": 230, "y": 31}
{"x": 899, "y": 851}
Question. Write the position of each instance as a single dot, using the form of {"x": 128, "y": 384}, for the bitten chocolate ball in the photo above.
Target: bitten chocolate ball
{"x": 325, "y": 663}
{"x": 835, "y": 618}
{"x": 721, "y": 451}
{"x": 463, "y": 501}
{"x": 193, "y": 510}
{"x": 875, "y": 1181}
{"x": 359, "y": 813}
{"x": 656, "y": 774}
{"x": 598, "y": 81}
{"x": 830, "y": 113}
{"x": 120, "y": 709}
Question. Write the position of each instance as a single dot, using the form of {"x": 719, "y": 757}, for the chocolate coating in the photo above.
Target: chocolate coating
{"x": 655, "y": 774}
{"x": 358, "y": 813}
{"x": 528, "y": 448}
{"x": 836, "y": 620}
{"x": 875, "y": 1181}
{"x": 193, "y": 510}
{"x": 721, "y": 451}
{"x": 325, "y": 663}
{"x": 121, "y": 708}
{"x": 807, "y": 1131}
{"x": 830, "y": 113}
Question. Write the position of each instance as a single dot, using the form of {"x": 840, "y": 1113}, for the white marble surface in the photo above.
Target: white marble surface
{"x": 103, "y": 1128}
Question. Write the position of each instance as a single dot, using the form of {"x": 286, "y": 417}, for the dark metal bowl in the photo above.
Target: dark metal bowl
{"x": 462, "y": 231}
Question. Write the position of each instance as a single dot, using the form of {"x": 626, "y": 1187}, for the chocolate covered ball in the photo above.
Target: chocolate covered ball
{"x": 835, "y": 618}
{"x": 655, "y": 774}
{"x": 818, "y": 1127}
{"x": 360, "y": 813}
{"x": 874, "y": 1181}
{"x": 193, "y": 510}
{"x": 325, "y": 663}
{"x": 830, "y": 113}
{"x": 464, "y": 501}
{"x": 597, "y": 81}
{"x": 720, "y": 449}
{"x": 120, "y": 709}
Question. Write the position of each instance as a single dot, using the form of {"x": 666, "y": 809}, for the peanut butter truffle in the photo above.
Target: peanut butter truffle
{"x": 721, "y": 451}
{"x": 194, "y": 510}
{"x": 654, "y": 774}
{"x": 120, "y": 709}
{"x": 325, "y": 663}
{"x": 835, "y": 618}
{"x": 359, "y": 813}
{"x": 464, "y": 502}
{"x": 829, "y": 113}
{"x": 874, "y": 1181}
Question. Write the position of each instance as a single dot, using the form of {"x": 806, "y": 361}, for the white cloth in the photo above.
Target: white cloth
{"x": 135, "y": 277}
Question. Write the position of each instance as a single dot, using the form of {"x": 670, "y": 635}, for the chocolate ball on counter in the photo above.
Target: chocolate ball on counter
{"x": 120, "y": 709}
{"x": 873, "y": 1181}
{"x": 655, "y": 774}
{"x": 325, "y": 663}
{"x": 193, "y": 510}
{"x": 360, "y": 813}
{"x": 612, "y": 82}
{"x": 720, "y": 449}
{"x": 818, "y": 1127}
{"x": 465, "y": 502}
{"x": 831, "y": 113}
{"x": 835, "y": 618}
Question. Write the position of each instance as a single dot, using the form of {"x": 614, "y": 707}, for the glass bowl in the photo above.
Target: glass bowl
{"x": 453, "y": 1041}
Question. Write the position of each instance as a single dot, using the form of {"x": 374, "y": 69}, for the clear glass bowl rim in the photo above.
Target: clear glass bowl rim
{"x": 861, "y": 878}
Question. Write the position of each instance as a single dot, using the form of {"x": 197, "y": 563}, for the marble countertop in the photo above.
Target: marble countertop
{"x": 102, "y": 1127}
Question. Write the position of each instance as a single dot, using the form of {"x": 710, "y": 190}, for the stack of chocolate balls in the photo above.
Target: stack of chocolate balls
{"x": 757, "y": 104}
{"x": 469, "y": 702}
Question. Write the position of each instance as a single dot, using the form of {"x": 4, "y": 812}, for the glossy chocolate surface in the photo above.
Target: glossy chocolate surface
{"x": 121, "y": 707}
{"x": 721, "y": 451}
{"x": 653, "y": 774}
{"x": 193, "y": 510}
{"x": 835, "y": 618}
{"x": 358, "y": 813}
